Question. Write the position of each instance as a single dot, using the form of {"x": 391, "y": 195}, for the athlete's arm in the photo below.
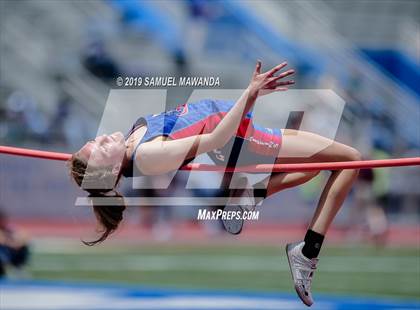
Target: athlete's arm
{"x": 159, "y": 157}
{"x": 260, "y": 82}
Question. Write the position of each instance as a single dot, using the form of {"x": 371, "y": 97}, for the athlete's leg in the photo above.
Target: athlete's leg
{"x": 296, "y": 144}
{"x": 302, "y": 255}
{"x": 269, "y": 186}
{"x": 280, "y": 181}
{"x": 339, "y": 182}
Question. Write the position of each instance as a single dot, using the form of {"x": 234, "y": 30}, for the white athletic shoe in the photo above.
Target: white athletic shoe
{"x": 302, "y": 269}
{"x": 244, "y": 201}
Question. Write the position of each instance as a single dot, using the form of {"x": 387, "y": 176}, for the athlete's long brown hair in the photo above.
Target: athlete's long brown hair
{"x": 109, "y": 216}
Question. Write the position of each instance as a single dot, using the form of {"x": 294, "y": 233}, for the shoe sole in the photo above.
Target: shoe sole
{"x": 233, "y": 226}
{"x": 293, "y": 279}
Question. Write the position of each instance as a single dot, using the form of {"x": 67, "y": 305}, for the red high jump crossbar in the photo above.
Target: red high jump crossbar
{"x": 395, "y": 162}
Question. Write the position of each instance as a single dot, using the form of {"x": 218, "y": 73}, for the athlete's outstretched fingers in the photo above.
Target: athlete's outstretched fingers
{"x": 275, "y": 84}
{"x": 276, "y": 68}
{"x": 284, "y": 74}
{"x": 291, "y": 82}
{"x": 280, "y": 89}
{"x": 257, "y": 68}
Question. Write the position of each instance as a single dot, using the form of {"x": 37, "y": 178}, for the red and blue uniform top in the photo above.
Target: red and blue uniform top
{"x": 255, "y": 143}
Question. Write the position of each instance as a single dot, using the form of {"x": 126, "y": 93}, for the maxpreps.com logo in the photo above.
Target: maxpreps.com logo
{"x": 321, "y": 110}
{"x": 215, "y": 215}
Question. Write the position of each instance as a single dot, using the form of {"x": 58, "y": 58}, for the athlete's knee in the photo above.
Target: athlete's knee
{"x": 353, "y": 154}
{"x": 346, "y": 153}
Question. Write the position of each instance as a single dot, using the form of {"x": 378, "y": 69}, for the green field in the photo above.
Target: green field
{"x": 356, "y": 270}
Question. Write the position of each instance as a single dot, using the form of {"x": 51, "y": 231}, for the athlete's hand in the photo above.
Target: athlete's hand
{"x": 267, "y": 82}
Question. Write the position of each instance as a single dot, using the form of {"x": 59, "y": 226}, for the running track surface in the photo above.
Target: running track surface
{"x": 38, "y": 295}
{"x": 399, "y": 235}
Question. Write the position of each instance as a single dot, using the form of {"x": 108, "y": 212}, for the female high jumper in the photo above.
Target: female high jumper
{"x": 208, "y": 125}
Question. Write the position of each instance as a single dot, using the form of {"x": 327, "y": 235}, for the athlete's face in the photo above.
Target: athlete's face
{"x": 105, "y": 151}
